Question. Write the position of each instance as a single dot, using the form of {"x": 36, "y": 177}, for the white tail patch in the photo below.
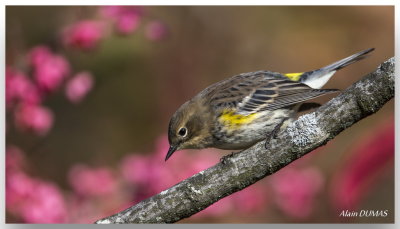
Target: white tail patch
{"x": 319, "y": 81}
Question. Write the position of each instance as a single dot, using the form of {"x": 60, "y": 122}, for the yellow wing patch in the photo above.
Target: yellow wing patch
{"x": 294, "y": 76}
{"x": 232, "y": 120}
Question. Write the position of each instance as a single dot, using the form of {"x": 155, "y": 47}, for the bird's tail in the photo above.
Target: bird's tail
{"x": 318, "y": 78}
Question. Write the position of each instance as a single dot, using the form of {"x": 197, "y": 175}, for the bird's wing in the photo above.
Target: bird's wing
{"x": 259, "y": 91}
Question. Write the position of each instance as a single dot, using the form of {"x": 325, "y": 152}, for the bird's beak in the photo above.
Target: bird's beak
{"x": 171, "y": 150}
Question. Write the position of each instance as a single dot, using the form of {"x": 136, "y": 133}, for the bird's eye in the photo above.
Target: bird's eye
{"x": 182, "y": 132}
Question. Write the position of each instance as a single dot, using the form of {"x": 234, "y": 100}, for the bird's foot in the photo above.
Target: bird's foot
{"x": 273, "y": 133}
{"x": 223, "y": 159}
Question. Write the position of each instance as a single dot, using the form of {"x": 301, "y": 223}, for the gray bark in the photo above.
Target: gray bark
{"x": 240, "y": 170}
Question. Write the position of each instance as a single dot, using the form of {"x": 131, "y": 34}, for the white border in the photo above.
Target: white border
{"x": 214, "y": 2}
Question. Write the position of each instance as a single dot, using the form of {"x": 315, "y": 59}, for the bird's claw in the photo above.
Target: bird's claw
{"x": 273, "y": 133}
{"x": 223, "y": 159}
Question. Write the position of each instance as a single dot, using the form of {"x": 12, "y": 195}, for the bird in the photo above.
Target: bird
{"x": 240, "y": 111}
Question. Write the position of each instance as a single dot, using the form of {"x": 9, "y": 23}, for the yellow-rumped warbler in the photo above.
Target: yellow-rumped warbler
{"x": 242, "y": 110}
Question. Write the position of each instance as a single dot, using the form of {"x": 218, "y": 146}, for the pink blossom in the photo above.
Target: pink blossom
{"x": 78, "y": 86}
{"x": 48, "y": 69}
{"x": 33, "y": 118}
{"x": 38, "y": 55}
{"x": 83, "y": 210}
{"x": 84, "y": 35}
{"x": 44, "y": 205}
{"x": 19, "y": 188}
{"x": 367, "y": 162}
{"x": 126, "y": 18}
{"x": 296, "y": 189}
{"x": 222, "y": 207}
{"x": 50, "y": 72}
{"x": 251, "y": 200}
{"x": 135, "y": 169}
{"x": 87, "y": 181}
{"x": 158, "y": 177}
{"x": 19, "y": 88}
{"x": 156, "y": 31}
{"x": 33, "y": 200}
{"x": 147, "y": 175}
{"x": 127, "y": 23}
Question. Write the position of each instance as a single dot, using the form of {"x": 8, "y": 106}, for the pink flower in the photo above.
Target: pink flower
{"x": 222, "y": 207}
{"x": 33, "y": 118}
{"x": 296, "y": 189}
{"x": 19, "y": 187}
{"x": 156, "y": 31}
{"x": 148, "y": 175}
{"x": 84, "y": 210}
{"x": 84, "y": 35}
{"x": 48, "y": 69}
{"x": 38, "y": 55}
{"x": 19, "y": 88}
{"x": 135, "y": 169}
{"x": 50, "y": 72}
{"x": 44, "y": 205}
{"x": 251, "y": 200}
{"x": 127, "y": 23}
{"x": 126, "y": 18}
{"x": 87, "y": 181}
{"x": 367, "y": 163}
{"x": 78, "y": 86}
{"x": 34, "y": 200}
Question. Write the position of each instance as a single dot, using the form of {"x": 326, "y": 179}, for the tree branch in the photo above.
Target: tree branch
{"x": 240, "y": 170}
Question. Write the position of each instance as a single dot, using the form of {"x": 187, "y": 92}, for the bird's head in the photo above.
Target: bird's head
{"x": 189, "y": 128}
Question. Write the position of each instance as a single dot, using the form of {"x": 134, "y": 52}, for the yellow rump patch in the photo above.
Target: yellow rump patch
{"x": 230, "y": 119}
{"x": 294, "y": 76}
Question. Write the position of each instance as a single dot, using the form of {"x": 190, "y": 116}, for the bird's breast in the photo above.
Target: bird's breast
{"x": 235, "y": 131}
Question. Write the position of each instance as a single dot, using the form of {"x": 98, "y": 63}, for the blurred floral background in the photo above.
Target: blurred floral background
{"x": 90, "y": 90}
